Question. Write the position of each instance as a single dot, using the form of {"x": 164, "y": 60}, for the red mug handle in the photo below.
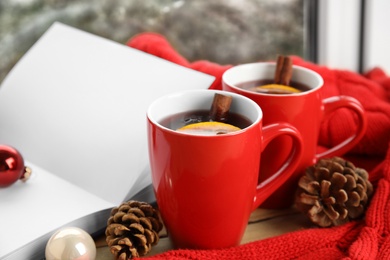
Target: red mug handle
{"x": 272, "y": 183}
{"x": 333, "y": 103}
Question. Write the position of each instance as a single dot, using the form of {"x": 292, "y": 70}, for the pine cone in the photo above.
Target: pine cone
{"x": 132, "y": 229}
{"x": 333, "y": 191}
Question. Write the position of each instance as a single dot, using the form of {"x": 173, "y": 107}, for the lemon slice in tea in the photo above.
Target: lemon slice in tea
{"x": 208, "y": 128}
{"x": 276, "y": 89}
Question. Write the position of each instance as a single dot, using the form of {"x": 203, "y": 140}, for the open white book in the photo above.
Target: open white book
{"x": 75, "y": 107}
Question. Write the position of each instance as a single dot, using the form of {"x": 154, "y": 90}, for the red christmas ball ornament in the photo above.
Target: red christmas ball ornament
{"x": 12, "y": 166}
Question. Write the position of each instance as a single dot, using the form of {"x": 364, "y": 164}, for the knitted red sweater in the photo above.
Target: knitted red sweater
{"x": 364, "y": 239}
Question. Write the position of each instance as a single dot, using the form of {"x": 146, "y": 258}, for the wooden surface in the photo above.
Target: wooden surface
{"x": 263, "y": 224}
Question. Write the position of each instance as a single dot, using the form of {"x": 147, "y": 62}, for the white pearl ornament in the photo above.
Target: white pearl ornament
{"x": 70, "y": 243}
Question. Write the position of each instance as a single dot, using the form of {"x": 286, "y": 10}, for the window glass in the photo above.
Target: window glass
{"x": 222, "y": 31}
{"x": 376, "y": 38}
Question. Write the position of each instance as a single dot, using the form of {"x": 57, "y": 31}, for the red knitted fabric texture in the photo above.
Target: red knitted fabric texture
{"x": 365, "y": 239}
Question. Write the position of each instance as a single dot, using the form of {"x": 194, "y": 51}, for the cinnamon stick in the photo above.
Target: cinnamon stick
{"x": 283, "y": 71}
{"x": 220, "y": 107}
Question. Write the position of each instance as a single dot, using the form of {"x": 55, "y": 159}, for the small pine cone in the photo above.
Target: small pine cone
{"x": 333, "y": 191}
{"x": 132, "y": 229}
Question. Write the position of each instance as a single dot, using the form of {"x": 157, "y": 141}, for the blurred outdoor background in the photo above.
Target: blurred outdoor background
{"x": 222, "y": 31}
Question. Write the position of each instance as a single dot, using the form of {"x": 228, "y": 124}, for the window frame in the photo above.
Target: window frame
{"x": 335, "y": 32}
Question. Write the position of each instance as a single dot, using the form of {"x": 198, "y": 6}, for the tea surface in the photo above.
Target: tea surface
{"x": 250, "y": 85}
{"x": 179, "y": 120}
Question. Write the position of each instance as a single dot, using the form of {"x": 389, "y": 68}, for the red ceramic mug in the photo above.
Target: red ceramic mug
{"x": 207, "y": 186}
{"x": 305, "y": 111}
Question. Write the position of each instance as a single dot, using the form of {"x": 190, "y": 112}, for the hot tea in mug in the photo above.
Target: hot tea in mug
{"x": 205, "y": 183}
{"x": 302, "y": 106}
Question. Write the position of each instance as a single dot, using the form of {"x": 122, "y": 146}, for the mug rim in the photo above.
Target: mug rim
{"x": 298, "y": 68}
{"x": 152, "y": 108}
